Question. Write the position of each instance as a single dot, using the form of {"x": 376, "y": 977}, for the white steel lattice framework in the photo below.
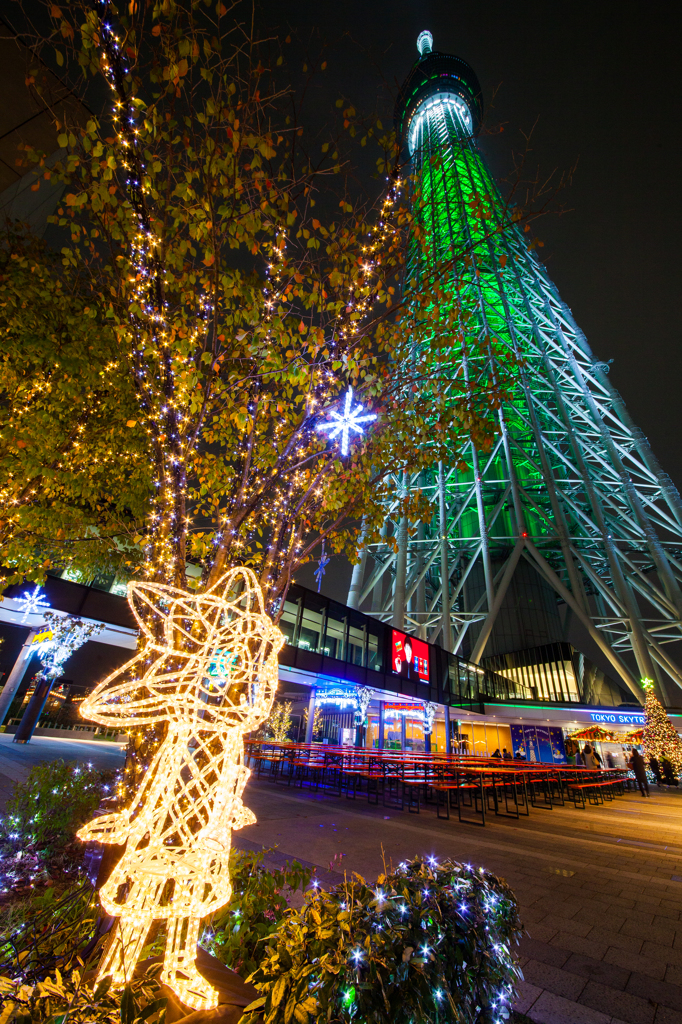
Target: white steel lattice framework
{"x": 571, "y": 484}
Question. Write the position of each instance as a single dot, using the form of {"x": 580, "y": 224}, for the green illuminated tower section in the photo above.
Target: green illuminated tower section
{"x": 569, "y": 513}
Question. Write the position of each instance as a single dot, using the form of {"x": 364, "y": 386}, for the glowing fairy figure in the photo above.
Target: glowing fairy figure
{"x": 208, "y": 668}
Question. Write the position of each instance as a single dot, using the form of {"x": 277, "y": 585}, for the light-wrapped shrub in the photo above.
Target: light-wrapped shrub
{"x": 38, "y": 830}
{"x": 238, "y": 933}
{"x": 429, "y": 943}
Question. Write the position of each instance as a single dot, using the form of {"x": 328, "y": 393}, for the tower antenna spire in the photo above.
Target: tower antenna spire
{"x": 424, "y": 43}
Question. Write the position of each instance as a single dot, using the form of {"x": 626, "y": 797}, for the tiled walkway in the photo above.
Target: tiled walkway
{"x": 17, "y": 759}
{"x": 600, "y": 889}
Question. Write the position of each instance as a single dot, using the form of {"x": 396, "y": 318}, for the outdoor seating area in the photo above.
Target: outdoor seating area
{"x": 470, "y": 788}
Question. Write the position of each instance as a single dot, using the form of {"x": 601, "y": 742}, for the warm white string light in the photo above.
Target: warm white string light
{"x": 212, "y": 678}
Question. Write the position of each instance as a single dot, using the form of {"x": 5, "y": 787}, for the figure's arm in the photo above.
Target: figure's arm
{"x": 107, "y": 828}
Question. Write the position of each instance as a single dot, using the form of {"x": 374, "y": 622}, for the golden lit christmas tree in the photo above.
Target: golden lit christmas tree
{"x": 660, "y": 738}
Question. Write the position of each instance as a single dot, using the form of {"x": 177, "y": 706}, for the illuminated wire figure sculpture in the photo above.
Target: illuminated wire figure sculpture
{"x": 208, "y": 669}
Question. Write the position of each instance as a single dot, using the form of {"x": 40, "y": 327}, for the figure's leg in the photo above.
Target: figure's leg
{"x": 179, "y": 970}
{"x": 121, "y": 952}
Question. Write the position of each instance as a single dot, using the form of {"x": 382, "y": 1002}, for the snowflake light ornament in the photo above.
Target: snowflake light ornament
{"x": 33, "y": 604}
{"x": 344, "y": 422}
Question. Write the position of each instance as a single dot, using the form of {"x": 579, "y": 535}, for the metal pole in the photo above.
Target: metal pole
{"x": 311, "y": 716}
{"x": 487, "y": 628}
{"x": 444, "y": 567}
{"x": 32, "y": 714}
{"x": 563, "y": 592}
{"x": 16, "y": 675}
{"x": 401, "y": 569}
{"x": 358, "y": 575}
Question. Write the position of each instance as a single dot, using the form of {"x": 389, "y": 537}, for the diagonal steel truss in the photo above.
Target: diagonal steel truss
{"x": 571, "y": 484}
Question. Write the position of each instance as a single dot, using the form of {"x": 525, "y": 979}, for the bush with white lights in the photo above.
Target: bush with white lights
{"x": 430, "y": 942}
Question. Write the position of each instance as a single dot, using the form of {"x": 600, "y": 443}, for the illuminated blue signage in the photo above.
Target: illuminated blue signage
{"x": 618, "y": 717}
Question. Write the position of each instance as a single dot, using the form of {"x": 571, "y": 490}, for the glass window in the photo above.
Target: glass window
{"x": 312, "y": 623}
{"x": 414, "y": 735}
{"x": 335, "y": 636}
{"x": 453, "y": 676}
{"x": 356, "y": 640}
{"x": 393, "y": 732}
{"x": 288, "y": 620}
{"x": 374, "y": 636}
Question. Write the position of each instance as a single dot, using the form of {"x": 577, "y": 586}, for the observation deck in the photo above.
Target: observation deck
{"x": 439, "y": 77}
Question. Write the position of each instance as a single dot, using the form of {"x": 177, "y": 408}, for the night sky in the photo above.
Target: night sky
{"x": 601, "y": 84}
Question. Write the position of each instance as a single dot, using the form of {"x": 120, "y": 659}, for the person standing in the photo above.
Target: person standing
{"x": 668, "y": 772}
{"x": 589, "y": 760}
{"x": 638, "y": 765}
{"x": 656, "y": 769}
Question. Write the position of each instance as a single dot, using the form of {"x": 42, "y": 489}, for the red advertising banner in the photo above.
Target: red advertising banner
{"x": 409, "y": 657}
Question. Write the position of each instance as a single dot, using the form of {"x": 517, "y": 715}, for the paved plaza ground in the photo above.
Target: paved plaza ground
{"x": 600, "y": 889}
{"x": 17, "y": 759}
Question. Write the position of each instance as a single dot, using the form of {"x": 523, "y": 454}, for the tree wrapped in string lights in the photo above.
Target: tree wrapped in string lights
{"x": 271, "y": 417}
{"x": 278, "y": 725}
{"x": 67, "y": 634}
{"x": 74, "y": 475}
{"x": 660, "y": 737}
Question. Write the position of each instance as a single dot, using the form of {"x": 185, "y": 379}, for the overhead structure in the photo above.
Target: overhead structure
{"x": 569, "y": 507}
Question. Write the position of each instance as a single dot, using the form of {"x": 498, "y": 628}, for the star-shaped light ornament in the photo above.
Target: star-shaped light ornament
{"x": 33, "y": 604}
{"x": 347, "y": 421}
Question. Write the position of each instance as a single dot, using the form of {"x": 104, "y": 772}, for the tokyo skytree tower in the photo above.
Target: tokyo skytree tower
{"x": 569, "y": 507}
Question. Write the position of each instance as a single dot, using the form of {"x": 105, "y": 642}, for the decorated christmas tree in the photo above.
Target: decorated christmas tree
{"x": 660, "y": 738}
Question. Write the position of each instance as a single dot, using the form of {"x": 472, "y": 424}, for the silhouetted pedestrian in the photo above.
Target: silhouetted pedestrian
{"x": 669, "y": 776}
{"x": 589, "y": 760}
{"x": 638, "y": 765}
{"x": 656, "y": 769}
